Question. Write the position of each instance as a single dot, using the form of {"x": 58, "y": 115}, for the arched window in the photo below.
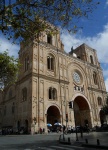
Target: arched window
{"x": 49, "y": 39}
{"x": 13, "y": 108}
{"x": 26, "y": 63}
{"x": 91, "y": 59}
{"x": 50, "y": 62}
{"x": 99, "y": 100}
{"x": 52, "y": 93}
{"x": 95, "y": 77}
{"x": 24, "y": 94}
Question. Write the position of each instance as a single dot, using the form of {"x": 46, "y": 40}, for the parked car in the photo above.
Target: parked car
{"x": 77, "y": 127}
{"x": 56, "y": 129}
{"x": 81, "y": 129}
{"x": 95, "y": 128}
{"x": 23, "y": 130}
{"x": 104, "y": 127}
{"x": 15, "y": 130}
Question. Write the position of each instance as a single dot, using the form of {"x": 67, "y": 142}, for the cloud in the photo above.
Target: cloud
{"x": 107, "y": 2}
{"x": 105, "y": 71}
{"x": 98, "y": 42}
{"x": 7, "y": 45}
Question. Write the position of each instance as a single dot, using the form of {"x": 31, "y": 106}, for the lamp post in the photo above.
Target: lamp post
{"x": 72, "y": 107}
{"x": 66, "y": 115}
{"x": 64, "y": 104}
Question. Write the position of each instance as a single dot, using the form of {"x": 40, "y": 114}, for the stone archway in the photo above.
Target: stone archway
{"x": 53, "y": 115}
{"x": 81, "y": 111}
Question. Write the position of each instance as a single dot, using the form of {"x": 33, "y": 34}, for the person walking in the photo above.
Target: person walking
{"x": 69, "y": 129}
{"x": 81, "y": 131}
{"x": 87, "y": 128}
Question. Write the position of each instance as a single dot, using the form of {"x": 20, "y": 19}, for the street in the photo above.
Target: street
{"x": 48, "y": 142}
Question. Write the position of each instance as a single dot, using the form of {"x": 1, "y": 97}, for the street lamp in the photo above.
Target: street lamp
{"x": 72, "y": 107}
{"x": 66, "y": 115}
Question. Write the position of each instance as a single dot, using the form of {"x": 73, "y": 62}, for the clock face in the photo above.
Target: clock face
{"x": 76, "y": 77}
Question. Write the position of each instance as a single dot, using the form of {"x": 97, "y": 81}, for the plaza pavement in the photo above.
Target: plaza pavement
{"x": 98, "y": 140}
{"x": 39, "y": 139}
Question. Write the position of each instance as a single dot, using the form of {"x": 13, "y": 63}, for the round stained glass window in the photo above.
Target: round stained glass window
{"x": 76, "y": 77}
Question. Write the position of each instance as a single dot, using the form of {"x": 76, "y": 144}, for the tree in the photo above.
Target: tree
{"x": 105, "y": 107}
{"x": 9, "y": 67}
{"x": 22, "y": 19}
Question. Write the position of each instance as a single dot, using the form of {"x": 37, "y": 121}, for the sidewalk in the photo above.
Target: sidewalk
{"x": 93, "y": 139}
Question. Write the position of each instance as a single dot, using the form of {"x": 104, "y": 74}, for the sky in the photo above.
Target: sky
{"x": 94, "y": 34}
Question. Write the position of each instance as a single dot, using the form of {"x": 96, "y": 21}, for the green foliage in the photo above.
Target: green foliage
{"x": 21, "y": 19}
{"x": 9, "y": 67}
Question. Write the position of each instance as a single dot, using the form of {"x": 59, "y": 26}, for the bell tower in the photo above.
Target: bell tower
{"x": 25, "y": 58}
{"x": 87, "y": 54}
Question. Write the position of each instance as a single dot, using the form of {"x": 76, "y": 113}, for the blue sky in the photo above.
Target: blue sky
{"x": 94, "y": 34}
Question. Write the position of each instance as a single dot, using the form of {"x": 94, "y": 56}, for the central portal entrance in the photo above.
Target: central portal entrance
{"x": 53, "y": 115}
{"x": 81, "y": 111}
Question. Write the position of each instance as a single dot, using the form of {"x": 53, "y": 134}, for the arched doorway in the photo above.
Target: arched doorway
{"x": 81, "y": 111}
{"x": 53, "y": 115}
{"x": 102, "y": 117}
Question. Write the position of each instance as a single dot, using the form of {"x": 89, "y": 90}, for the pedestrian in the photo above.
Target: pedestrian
{"x": 87, "y": 128}
{"x": 64, "y": 127}
{"x": 48, "y": 130}
{"x": 81, "y": 131}
{"x": 71, "y": 129}
{"x": 40, "y": 130}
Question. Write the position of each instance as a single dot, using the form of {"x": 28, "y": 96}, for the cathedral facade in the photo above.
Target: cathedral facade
{"x": 49, "y": 78}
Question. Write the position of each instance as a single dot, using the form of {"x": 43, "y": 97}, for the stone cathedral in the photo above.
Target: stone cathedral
{"x": 49, "y": 78}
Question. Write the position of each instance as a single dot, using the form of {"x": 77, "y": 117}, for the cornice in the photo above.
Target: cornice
{"x": 97, "y": 90}
{"x": 24, "y": 78}
{"x": 8, "y": 100}
{"x": 50, "y": 78}
{"x": 43, "y": 77}
{"x": 70, "y": 56}
{"x": 51, "y": 46}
